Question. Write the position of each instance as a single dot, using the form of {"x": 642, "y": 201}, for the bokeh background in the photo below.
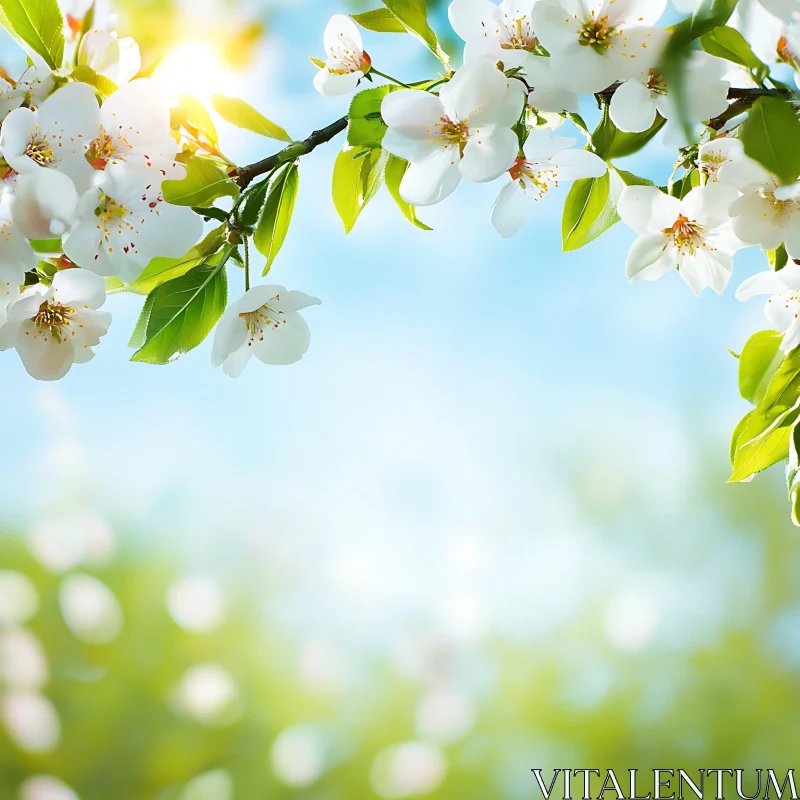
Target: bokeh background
{"x": 483, "y": 527}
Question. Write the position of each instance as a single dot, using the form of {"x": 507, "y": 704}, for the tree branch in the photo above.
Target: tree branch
{"x": 244, "y": 176}
{"x": 741, "y": 100}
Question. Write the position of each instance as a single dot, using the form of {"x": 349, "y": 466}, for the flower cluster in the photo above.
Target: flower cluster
{"x": 718, "y": 87}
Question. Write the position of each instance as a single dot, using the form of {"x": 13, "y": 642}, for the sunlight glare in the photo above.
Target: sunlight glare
{"x": 194, "y": 68}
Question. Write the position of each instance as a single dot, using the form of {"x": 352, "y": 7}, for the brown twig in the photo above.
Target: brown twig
{"x": 244, "y": 176}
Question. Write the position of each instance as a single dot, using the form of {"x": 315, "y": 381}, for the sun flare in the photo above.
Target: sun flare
{"x": 195, "y": 68}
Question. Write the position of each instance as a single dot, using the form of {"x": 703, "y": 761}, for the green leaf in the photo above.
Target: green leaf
{"x": 182, "y": 313}
{"x": 771, "y": 134}
{"x": 707, "y": 16}
{"x": 85, "y": 74}
{"x": 589, "y": 210}
{"x": 793, "y": 473}
{"x": 139, "y": 335}
{"x": 758, "y": 362}
{"x": 778, "y": 259}
{"x": 251, "y": 208}
{"x": 38, "y": 23}
{"x": 47, "y": 246}
{"x": 356, "y": 180}
{"x": 610, "y": 142}
{"x": 277, "y": 215}
{"x": 205, "y": 182}
{"x": 161, "y": 270}
{"x": 199, "y": 117}
{"x": 728, "y": 43}
{"x": 243, "y": 115}
{"x": 212, "y": 213}
{"x": 413, "y": 15}
{"x": 393, "y": 175}
{"x": 367, "y": 127}
{"x": 764, "y": 439}
{"x": 761, "y": 445}
{"x": 381, "y": 20}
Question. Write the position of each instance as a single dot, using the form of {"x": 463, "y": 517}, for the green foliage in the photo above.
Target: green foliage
{"x": 609, "y": 142}
{"x": 778, "y": 259}
{"x": 367, "y": 128}
{"x": 204, "y": 183}
{"x": 591, "y": 207}
{"x": 250, "y": 209}
{"x": 762, "y": 439}
{"x": 793, "y": 474}
{"x": 357, "y": 177}
{"x": 199, "y": 117}
{"x": 381, "y": 20}
{"x": 243, "y": 115}
{"x": 84, "y": 74}
{"x": 760, "y": 358}
{"x": 38, "y": 23}
{"x": 771, "y": 134}
{"x": 179, "y": 314}
{"x": 161, "y": 270}
{"x": 393, "y": 175}
{"x": 589, "y": 211}
{"x": 728, "y": 43}
{"x": 412, "y": 15}
{"x": 277, "y": 214}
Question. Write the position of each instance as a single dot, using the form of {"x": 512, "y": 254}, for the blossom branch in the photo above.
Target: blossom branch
{"x": 244, "y": 176}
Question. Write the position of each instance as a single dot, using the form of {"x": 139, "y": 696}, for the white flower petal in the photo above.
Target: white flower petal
{"x": 632, "y": 107}
{"x": 647, "y": 209}
{"x": 489, "y": 153}
{"x": 762, "y": 283}
{"x": 647, "y": 258}
{"x": 79, "y": 287}
{"x": 333, "y": 85}
{"x": 473, "y": 19}
{"x": 575, "y": 164}
{"x": 340, "y": 32}
{"x": 431, "y": 180}
{"x": 284, "y": 345}
{"x": 44, "y": 204}
{"x": 510, "y": 210}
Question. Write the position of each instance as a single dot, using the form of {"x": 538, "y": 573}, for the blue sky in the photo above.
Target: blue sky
{"x": 456, "y": 386}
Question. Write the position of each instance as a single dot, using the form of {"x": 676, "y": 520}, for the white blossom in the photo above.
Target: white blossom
{"x": 693, "y": 235}
{"x": 55, "y": 136}
{"x": 54, "y": 327}
{"x": 548, "y": 160}
{"x": 125, "y": 223}
{"x": 134, "y": 132}
{"x": 783, "y": 307}
{"x": 265, "y": 323}
{"x": 634, "y": 106}
{"x": 547, "y": 92}
{"x": 767, "y": 212}
{"x": 593, "y": 43}
{"x": 714, "y": 156}
{"x": 117, "y": 59}
{"x": 465, "y": 132}
{"x": 43, "y": 204}
{"x": 347, "y": 62}
{"x": 33, "y": 87}
{"x": 504, "y": 32}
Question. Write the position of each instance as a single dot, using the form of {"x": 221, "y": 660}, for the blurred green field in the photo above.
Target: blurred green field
{"x": 175, "y": 687}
